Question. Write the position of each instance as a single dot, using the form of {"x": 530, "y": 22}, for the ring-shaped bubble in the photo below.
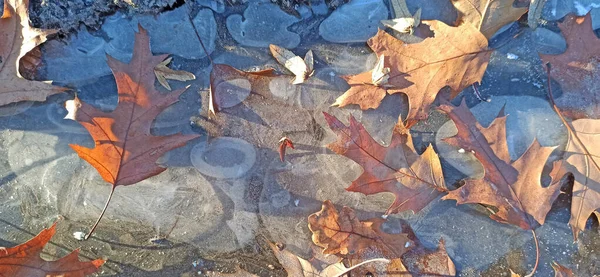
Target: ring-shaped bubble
{"x": 206, "y": 157}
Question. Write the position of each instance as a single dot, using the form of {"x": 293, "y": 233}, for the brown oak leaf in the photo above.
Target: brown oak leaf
{"x": 344, "y": 234}
{"x": 488, "y": 16}
{"x": 578, "y": 68}
{"x": 582, "y": 160}
{"x": 456, "y": 57}
{"x": 24, "y": 260}
{"x": 17, "y": 38}
{"x": 513, "y": 188}
{"x": 415, "y": 180}
{"x": 125, "y": 151}
{"x": 361, "y": 243}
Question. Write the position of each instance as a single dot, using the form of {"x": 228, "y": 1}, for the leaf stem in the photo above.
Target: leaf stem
{"x": 112, "y": 190}
{"x": 537, "y": 254}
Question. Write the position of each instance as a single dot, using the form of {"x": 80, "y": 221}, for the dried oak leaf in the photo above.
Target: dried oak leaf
{"x": 488, "y": 16}
{"x": 362, "y": 242}
{"x": 163, "y": 72}
{"x": 344, "y": 234}
{"x": 578, "y": 68}
{"x": 582, "y": 160}
{"x": 125, "y": 151}
{"x": 24, "y": 260}
{"x": 17, "y": 38}
{"x": 415, "y": 180}
{"x": 513, "y": 188}
{"x": 455, "y": 57}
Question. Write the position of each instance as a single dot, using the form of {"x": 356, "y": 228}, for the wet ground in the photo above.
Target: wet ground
{"x": 223, "y": 198}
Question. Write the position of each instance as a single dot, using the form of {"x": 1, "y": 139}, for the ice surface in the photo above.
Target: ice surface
{"x": 355, "y": 21}
{"x": 170, "y": 32}
{"x": 317, "y": 92}
{"x": 474, "y": 241}
{"x": 64, "y": 62}
{"x": 557, "y": 9}
{"x": 232, "y": 92}
{"x": 223, "y": 157}
{"x": 261, "y": 25}
{"x": 528, "y": 118}
{"x": 549, "y": 42}
{"x": 15, "y": 108}
{"x": 441, "y": 10}
{"x": 217, "y": 6}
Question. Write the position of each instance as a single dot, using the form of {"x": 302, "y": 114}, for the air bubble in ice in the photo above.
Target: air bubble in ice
{"x": 223, "y": 157}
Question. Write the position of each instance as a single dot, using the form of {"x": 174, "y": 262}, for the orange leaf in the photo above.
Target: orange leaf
{"x": 414, "y": 179}
{"x": 577, "y": 69}
{"x": 17, "y": 38}
{"x": 125, "y": 151}
{"x": 24, "y": 260}
{"x": 513, "y": 188}
{"x": 456, "y": 57}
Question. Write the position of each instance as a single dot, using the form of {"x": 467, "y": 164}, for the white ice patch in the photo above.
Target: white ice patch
{"x": 582, "y": 9}
{"x": 511, "y": 56}
{"x": 79, "y": 235}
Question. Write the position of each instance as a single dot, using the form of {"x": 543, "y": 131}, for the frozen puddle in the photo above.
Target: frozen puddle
{"x": 224, "y": 157}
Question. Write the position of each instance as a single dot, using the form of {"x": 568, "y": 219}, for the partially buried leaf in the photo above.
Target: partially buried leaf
{"x": 24, "y": 260}
{"x": 488, "y": 16}
{"x": 363, "y": 244}
{"x": 455, "y": 57}
{"x": 513, "y": 188}
{"x": 17, "y": 38}
{"x": 302, "y": 68}
{"x": 415, "y": 180}
{"x": 344, "y": 234}
{"x": 125, "y": 151}
{"x": 163, "y": 73}
{"x": 578, "y": 68}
